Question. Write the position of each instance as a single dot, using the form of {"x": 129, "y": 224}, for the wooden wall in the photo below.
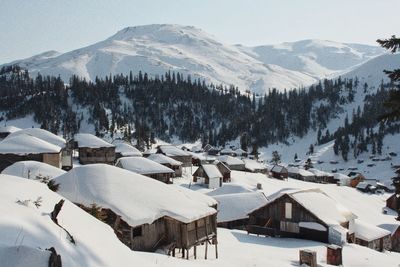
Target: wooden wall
{"x": 273, "y": 216}
{"x": 96, "y": 155}
{"x": 379, "y": 244}
{"x": 53, "y": 159}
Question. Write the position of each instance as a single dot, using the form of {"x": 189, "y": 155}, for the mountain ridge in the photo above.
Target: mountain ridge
{"x": 159, "y": 48}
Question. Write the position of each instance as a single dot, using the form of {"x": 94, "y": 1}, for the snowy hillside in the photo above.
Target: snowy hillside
{"x": 317, "y": 58}
{"x": 156, "y": 49}
{"x": 371, "y": 72}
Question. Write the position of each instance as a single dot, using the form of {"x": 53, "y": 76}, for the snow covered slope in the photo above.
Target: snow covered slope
{"x": 156, "y": 49}
{"x": 317, "y": 58}
{"x": 371, "y": 72}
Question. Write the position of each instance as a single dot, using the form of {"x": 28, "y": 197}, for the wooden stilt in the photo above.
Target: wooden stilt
{"x": 183, "y": 253}
{"x": 195, "y": 252}
{"x": 173, "y": 252}
{"x": 187, "y": 254}
{"x": 216, "y": 247}
{"x": 205, "y": 256}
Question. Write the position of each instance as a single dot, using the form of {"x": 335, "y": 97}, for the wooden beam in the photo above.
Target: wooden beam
{"x": 216, "y": 247}
{"x": 205, "y": 223}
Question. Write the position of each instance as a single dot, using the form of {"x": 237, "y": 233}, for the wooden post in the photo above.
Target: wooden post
{"x": 205, "y": 256}
{"x": 117, "y": 222}
{"x": 216, "y": 247}
{"x": 131, "y": 232}
{"x": 205, "y": 226}
{"x": 183, "y": 253}
{"x": 187, "y": 253}
{"x": 173, "y": 252}
{"x": 195, "y": 252}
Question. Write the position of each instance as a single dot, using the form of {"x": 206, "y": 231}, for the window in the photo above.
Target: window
{"x": 137, "y": 231}
{"x": 288, "y": 210}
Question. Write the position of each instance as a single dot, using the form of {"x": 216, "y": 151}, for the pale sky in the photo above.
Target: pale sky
{"x": 30, "y": 27}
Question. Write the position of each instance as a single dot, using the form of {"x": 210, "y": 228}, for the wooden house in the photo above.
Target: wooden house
{"x": 323, "y": 177}
{"x": 240, "y": 153}
{"x": 224, "y": 170}
{"x": 234, "y": 209}
{"x": 126, "y": 150}
{"x": 93, "y": 149}
{"x": 252, "y": 165}
{"x": 207, "y": 147}
{"x": 393, "y": 202}
{"x": 213, "y": 151}
{"x": 209, "y": 175}
{"x": 301, "y": 174}
{"x": 307, "y": 214}
{"x": 174, "y": 165}
{"x": 366, "y": 187}
{"x": 198, "y": 159}
{"x": 7, "y": 130}
{"x": 279, "y": 172}
{"x": 26, "y": 147}
{"x": 372, "y": 236}
{"x": 66, "y": 152}
{"x": 227, "y": 152}
{"x": 235, "y": 164}
{"x": 149, "y": 152}
{"x": 356, "y": 178}
{"x": 146, "y": 167}
{"x": 395, "y": 238}
{"x": 147, "y": 217}
{"x": 176, "y": 154}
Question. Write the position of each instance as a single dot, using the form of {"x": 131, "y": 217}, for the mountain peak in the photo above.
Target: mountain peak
{"x": 160, "y": 32}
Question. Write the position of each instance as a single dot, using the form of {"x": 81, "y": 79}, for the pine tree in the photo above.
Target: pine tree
{"x": 393, "y": 103}
{"x": 276, "y": 157}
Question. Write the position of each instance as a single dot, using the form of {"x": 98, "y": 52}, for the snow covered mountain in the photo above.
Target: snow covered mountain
{"x": 371, "y": 72}
{"x": 317, "y": 58}
{"x": 156, "y": 49}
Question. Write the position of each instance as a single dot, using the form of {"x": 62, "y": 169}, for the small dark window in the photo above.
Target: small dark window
{"x": 137, "y": 231}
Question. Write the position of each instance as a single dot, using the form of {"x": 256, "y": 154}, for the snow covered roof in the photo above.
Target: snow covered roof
{"x": 198, "y": 156}
{"x": 127, "y": 150}
{"x": 211, "y": 170}
{"x": 368, "y": 232}
{"x": 136, "y": 198}
{"x": 237, "y": 206}
{"x": 9, "y": 129}
{"x": 230, "y": 188}
{"x": 171, "y": 151}
{"x": 230, "y": 160}
{"x": 41, "y": 134}
{"x": 150, "y": 151}
{"x": 90, "y": 140}
{"x": 362, "y": 185}
{"x": 227, "y": 151}
{"x": 253, "y": 165}
{"x": 23, "y": 256}
{"x": 162, "y": 159}
{"x": 32, "y": 169}
{"x": 29, "y": 227}
{"x": 142, "y": 165}
{"x": 240, "y": 152}
{"x": 24, "y": 144}
{"x": 319, "y": 173}
{"x": 200, "y": 197}
{"x": 301, "y": 172}
{"x": 341, "y": 177}
{"x": 322, "y": 206}
{"x": 277, "y": 168}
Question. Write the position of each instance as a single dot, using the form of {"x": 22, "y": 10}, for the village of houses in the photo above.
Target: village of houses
{"x": 178, "y": 201}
